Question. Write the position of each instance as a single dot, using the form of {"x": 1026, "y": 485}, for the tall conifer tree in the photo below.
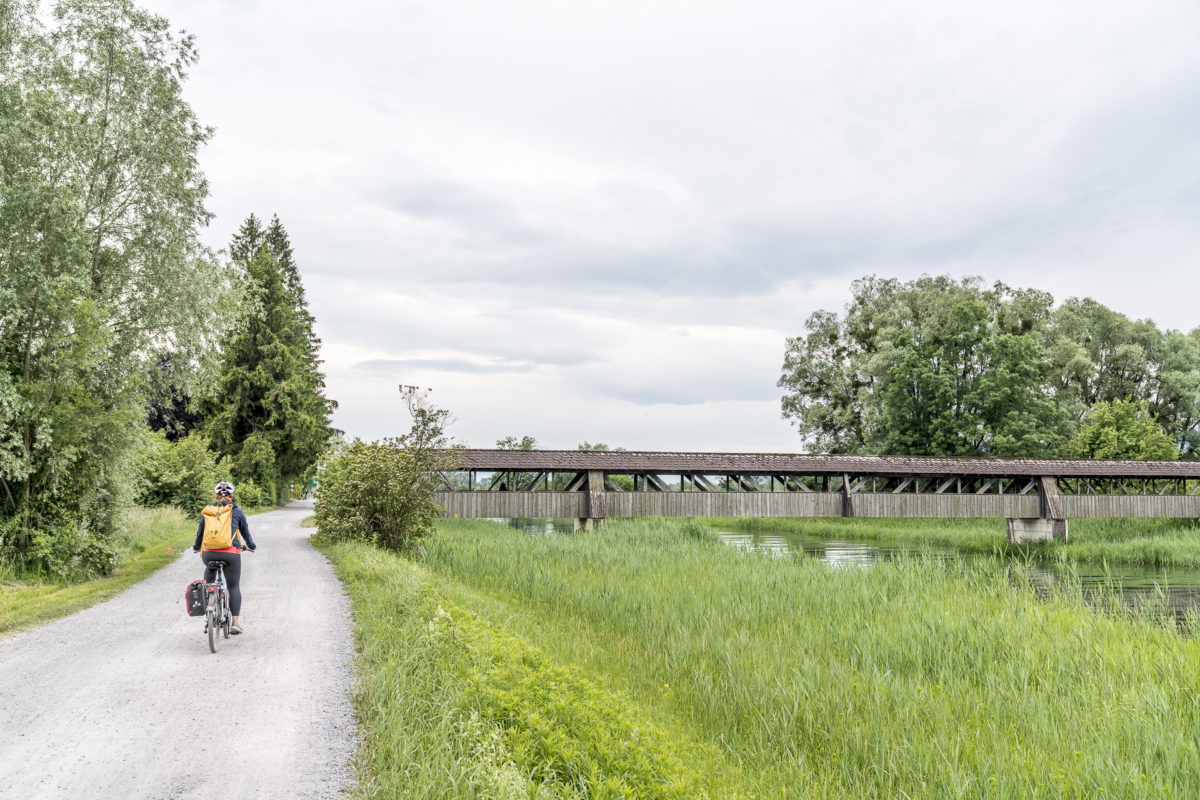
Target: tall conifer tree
{"x": 268, "y": 413}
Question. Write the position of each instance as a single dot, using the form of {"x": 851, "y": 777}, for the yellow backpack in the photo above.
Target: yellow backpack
{"x": 218, "y": 526}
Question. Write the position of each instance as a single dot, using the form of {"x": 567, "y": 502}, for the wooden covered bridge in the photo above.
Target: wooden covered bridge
{"x": 1036, "y": 496}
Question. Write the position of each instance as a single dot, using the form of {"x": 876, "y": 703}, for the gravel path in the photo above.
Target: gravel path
{"x": 124, "y": 700}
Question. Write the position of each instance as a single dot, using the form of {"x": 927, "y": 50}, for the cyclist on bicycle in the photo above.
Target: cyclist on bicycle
{"x": 231, "y": 555}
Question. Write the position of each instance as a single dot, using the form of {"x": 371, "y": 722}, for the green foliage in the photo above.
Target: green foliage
{"x": 933, "y": 366}
{"x": 957, "y": 383}
{"x": 267, "y": 412}
{"x": 101, "y": 200}
{"x": 249, "y": 494}
{"x": 382, "y": 491}
{"x": 180, "y": 474}
{"x": 69, "y": 553}
{"x": 943, "y": 367}
{"x": 1120, "y": 429}
{"x": 513, "y": 443}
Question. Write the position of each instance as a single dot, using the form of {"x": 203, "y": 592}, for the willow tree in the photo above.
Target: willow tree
{"x": 101, "y": 203}
{"x": 934, "y": 366}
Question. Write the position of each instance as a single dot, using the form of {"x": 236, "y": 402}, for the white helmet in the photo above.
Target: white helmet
{"x": 224, "y": 488}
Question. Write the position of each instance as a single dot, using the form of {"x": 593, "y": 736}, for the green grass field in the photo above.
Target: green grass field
{"x": 151, "y": 539}
{"x": 751, "y": 676}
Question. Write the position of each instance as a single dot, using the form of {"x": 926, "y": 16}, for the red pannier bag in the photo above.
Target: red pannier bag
{"x": 194, "y": 598}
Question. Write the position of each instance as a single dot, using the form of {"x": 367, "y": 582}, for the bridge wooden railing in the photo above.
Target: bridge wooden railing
{"x": 1037, "y": 496}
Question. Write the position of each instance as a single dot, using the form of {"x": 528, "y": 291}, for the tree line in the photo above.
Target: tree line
{"x": 113, "y": 314}
{"x": 956, "y": 367}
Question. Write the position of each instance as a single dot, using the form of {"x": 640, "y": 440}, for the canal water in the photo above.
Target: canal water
{"x": 1138, "y": 584}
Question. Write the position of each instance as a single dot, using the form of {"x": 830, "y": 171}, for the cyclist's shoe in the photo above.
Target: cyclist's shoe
{"x": 235, "y": 628}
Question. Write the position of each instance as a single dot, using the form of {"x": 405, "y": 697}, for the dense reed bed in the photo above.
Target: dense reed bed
{"x": 905, "y": 679}
{"x": 1157, "y": 542}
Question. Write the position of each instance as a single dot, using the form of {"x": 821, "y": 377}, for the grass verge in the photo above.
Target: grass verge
{"x": 907, "y": 679}
{"x": 151, "y": 539}
{"x": 1157, "y": 542}
{"x": 452, "y": 704}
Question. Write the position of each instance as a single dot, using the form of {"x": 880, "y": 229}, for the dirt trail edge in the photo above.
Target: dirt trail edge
{"x": 124, "y": 700}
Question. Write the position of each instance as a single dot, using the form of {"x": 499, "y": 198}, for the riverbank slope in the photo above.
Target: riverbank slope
{"x": 787, "y": 678}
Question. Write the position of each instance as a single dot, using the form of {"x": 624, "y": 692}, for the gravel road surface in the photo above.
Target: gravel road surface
{"x": 124, "y": 700}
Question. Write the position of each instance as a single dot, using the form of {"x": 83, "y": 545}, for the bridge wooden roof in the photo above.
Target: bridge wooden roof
{"x": 817, "y": 464}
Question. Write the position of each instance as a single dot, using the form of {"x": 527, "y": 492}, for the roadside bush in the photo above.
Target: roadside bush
{"x": 71, "y": 554}
{"x": 180, "y": 474}
{"x": 377, "y": 492}
{"x": 382, "y": 492}
{"x": 248, "y": 494}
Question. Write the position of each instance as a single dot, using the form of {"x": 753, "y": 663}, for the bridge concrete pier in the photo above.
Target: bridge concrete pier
{"x": 1036, "y": 530}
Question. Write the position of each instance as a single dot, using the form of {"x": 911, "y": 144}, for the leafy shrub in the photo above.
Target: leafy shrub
{"x": 180, "y": 474}
{"x": 377, "y": 492}
{"x": 382, "y": 492}
{"x": 70, "y": 553}
{"x": 248, "y": 494}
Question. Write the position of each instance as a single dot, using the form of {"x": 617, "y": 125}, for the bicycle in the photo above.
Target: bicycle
{"x": 217, "y": 618}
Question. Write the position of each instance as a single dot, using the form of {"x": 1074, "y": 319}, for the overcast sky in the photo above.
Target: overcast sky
{"x": 600, "y": 220}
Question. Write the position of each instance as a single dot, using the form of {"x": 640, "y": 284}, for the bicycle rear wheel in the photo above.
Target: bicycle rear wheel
{"x": 214, "y": 631}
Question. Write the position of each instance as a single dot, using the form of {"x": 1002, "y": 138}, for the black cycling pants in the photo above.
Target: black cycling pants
{"x": 233, "y": 576}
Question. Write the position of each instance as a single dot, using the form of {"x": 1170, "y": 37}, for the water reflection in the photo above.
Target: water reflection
{"x": 536, "y": 525}
{"x": 1177, "y": 589}
{"x": 1174, "y": 590}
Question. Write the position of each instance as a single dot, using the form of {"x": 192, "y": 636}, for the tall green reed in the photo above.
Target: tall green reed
{"x": 908, "y": 678}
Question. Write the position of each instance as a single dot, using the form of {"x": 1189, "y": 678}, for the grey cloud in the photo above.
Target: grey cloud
{"x": 462, "y": 365}
{"x": 478, "y": 215}
{"x": 493, "y": 357}
{"x": 556, "y": 356}
{"x": 1133, "y": 158}
{"x": 733, "y": 385}
{"x": 499, "y": 248}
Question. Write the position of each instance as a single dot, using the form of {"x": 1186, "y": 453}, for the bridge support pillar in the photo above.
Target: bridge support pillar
{"x": 595, "y": 502}
{"x": 1036, "y": 530}
{"x": 1051, "y": 526}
